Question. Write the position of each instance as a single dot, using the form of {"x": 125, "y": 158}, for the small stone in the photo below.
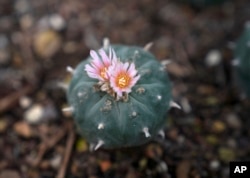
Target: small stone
{"x": 214, "y": 165}
{"x": 212, "y": 139}
{"x": 162, "y": 167}
{"x": 232, "y": 143}
{"x": 23, "y": 129}
{"x": 47, "y": 43}
{"x": 218, "y": 126}
{"x": 25, "y": 102}
{"x": 226, "y": 154}
{"x": 22, "y": 6}
{"x": 105, "y": 165}
{"x": 185, "y": 105}
{"x": 143, "y": 163}
{"x": 34, "y": 114}
{"x": 57, "y": 22}
{"x": 81, "y": 145}
{"x": 55, "y": 162}
{"x": 213, "y": 58}
{"x": 4, "y": 42}
{"x": 70, "y": 47}
{"x": 26, "y": 21}
{"x": 154, "y": 151}
{"x": 211, "y": 101}
{"x": 9, "y": 174}
{"x": 4, "y": 51}
{"x": 233, "y": 121}
{"x": 3, "y": 125}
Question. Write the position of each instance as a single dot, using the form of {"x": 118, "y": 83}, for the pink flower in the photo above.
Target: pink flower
{"x": 99, "y": 65}
{"x": 123, "y": 76}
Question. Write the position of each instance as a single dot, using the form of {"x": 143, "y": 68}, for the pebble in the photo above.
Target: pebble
{"x": 55, "y": 162}
{"x": 226, "y": 154}
{"x": 25, "y": 102}
{"x": 22, "y": 6}
{"x": 213, "y": 58}
{"x": 70, "y": 47}
{"x": 47, "y": 43}
{"x": 218, "y": 126}
{"x": 212, "y": 139}
{"x": 26, "y": 21}
{"x": 9, "y": 174}
{"x": 81, "y": 145}
{"x": 105, "y": 165}
{"x": 57, "y": 22}
{"x": 214, "y": 165}
{"x": 23, "y": 129}
{"x": 3, "y": 125}
{"x": 162, "y": 167}
{"x": 4, "y": 52}
{"x": 34, "y": 114}
{"x": 53, "y": 21}
{"x": 233, "y": 121}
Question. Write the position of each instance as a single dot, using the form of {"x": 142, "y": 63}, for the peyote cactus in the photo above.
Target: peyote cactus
{"x": 242, "y": 60}
{"x": 119, "y": 96}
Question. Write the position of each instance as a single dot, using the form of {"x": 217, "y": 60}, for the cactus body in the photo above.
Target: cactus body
{"x": 112, "y": 123}
{"x": 242, "y": 56}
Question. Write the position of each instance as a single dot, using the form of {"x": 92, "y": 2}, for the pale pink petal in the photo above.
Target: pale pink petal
{"x": 132, "y": 71}
{"x": 105, "y": 58}
{"x": 119, "y": 93}
{"x": 125, "y": 66}
{"x": 88, "y": 68}
{"x": 92, "y": 75}
{"x": 127, "y": 90}
{"x": 96, "y": 60}
{"x": 134, "y": 80}
{"x": 113, "y": 55}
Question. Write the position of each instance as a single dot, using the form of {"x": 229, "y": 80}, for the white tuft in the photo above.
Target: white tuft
{"x": 100, "y": 126}
{"x": 79, "y": 94}
{"x": 70, "y": 69}
{"x": 146, "y": 132}
{"x": 62, "y": 85}
{"x": 174, "y": 105}
{"x": 148, "y": 46}
{"x": 99, "y": 144}
{"x": 165, "y": 62}
{"x": 159, "y": 97}
{"x": 106, "y": 43}
{"x": 161, "y": 133}
{"x": 134, "y": 114}
{"x": 68, "y": 109}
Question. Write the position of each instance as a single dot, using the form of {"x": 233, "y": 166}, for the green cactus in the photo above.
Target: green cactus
{"x": 242, "y": 59}
{"x": 109, "y": 122}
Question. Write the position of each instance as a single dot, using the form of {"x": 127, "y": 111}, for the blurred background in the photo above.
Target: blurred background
{"x": 38, "y": 39}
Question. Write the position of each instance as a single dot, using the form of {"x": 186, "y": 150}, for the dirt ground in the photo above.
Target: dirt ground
{"x": 38, "y": 39}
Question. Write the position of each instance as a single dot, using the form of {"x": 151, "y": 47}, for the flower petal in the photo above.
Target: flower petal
{"x": 96, "y": 60}
{"x": 105, "y": 58}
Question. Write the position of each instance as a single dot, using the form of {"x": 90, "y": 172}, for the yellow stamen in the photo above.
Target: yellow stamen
{"x": 123, "y": 80}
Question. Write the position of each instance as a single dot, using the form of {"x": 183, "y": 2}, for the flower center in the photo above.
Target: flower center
{"x": 103, "y": 72}
{"x": 123, "y": 80}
